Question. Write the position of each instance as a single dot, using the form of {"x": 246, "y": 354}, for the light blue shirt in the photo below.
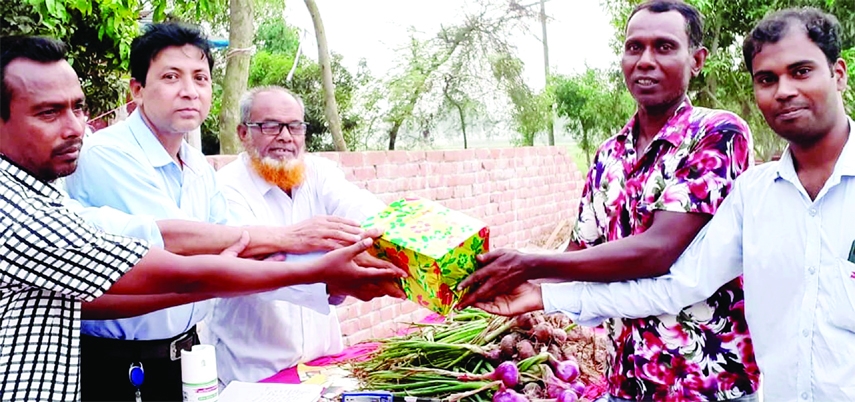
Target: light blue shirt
{"x": 799, "y": 286}
{"x": 125, "y": 167}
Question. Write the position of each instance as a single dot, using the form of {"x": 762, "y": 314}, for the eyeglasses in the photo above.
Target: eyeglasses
{"x": 295, "y": 128}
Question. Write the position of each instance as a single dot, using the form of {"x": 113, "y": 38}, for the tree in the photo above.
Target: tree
{"x": 447, "y": 75}
{"x": 98, "y": 35}
{"x": 330, "y": 106}
{"x": 458, "y": 101}
{"x": 596, "y": 107}
{"x": 277, "y": 44}
{"x": 241, "y": 34}
{"x": 530, "y": 112}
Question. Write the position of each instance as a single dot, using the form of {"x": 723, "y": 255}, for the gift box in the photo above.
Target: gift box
{"x": 436, "y": 245}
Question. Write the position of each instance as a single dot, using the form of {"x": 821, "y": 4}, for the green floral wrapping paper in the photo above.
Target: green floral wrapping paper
{"x": 435, "y": 244}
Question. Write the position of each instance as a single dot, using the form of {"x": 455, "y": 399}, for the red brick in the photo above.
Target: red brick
{"x": 406, "y": 170}
{"x": 346, "y": 312}
{"x": 365, "y": 173}
{"x": 459, "y": 155}
{"x": 349, "y": 327}
{"x": 379, "y": 186}
{"x": 352, "y": 159}
{"x": 449, "y": 168}
{"x": 365, "y": 321}
{"x": 434, "y": 181}
{"x": 387, "y": 314}
{"x": 430, "y": 169}
{"x": 416, "y": 156}
{"x": 462, "y": 192}
{"x": 383, "y": 331}
{"x": 374, "y": 157}
{"x": 363, "y": 308}
{"x": 472, "y": 166}
{"x": 333, "y": 156}
{"x": 434, "y": 156}
{"x": 396, "y": 156}
{"x": 453, "y": 203}
{"x": 468, "y": 203}
{"x": 442, "y": 193}
{"x": 482, "y": 153}
{"x": 408, "y": 306}
{"x": 416, "y": 183}
{"x": 386, "y": 171}
{"x": 358, "y": 337}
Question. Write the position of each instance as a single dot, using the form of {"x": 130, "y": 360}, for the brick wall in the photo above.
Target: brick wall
{"x": 522, "y": 194}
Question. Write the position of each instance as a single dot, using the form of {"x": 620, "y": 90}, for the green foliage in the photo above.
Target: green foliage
{"x": 453, "y": 75}
{"x": 849, "y": 96}
{"x": 277, "y": 44}
{"x": 595, "y": 107}
{"x": 98, "y": 35}
{"x": 530, "y": 111}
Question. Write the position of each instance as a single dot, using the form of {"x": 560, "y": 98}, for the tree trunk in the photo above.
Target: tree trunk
{"x": 393, "y": 134}
{"x": 241, "y": 32}
{"x": 550, "y": 121}
{"x": 587, "y": 147}
{"x": 462, "y": 124}
{"x": 330, "y": 105}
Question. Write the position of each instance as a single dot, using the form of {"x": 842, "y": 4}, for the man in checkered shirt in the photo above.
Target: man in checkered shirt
{"x": 51, "y": 260}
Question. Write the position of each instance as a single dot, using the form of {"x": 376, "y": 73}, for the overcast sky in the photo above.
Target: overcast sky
{"x": 579, "y": 32}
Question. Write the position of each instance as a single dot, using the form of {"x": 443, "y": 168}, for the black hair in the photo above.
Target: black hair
{"x": 157, "y": 37}
{"x": 822, "y": 28}
{"x": 36, "y": 48}
{"x": 694, "y": 20}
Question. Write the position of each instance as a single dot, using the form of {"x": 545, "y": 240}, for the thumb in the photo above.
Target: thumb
{"x": 235, "y": 249}
{"x": 350, "y": 252}
{"x": 373, "y": 233}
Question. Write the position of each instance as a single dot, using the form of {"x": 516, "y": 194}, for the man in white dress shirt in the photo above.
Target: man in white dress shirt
{"x": 277, "y": 183}
{"x": 787, "y": 227}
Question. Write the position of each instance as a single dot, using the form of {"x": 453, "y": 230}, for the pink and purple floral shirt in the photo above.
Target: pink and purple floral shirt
{"x": 705, "y": 352}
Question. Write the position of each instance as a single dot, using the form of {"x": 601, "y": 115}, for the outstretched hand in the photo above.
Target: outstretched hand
{"x": 525, "y": 298}
{"x": 324, "y": 233}
{"x": 502, "y": 271}
{"x": 344, "y": 273}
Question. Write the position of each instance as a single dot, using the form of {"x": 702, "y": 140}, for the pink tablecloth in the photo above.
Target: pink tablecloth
{"x": 359, "y": 352}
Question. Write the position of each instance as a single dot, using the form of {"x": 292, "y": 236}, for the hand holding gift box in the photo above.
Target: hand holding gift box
{"x": 435, "y": 244}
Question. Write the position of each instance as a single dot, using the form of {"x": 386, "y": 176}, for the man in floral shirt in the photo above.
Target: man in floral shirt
{"x": 651, "y": 189}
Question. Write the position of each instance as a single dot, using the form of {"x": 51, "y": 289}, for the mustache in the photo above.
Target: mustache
{"x": 792, "y": 105}
{"x": 68, "y": 146}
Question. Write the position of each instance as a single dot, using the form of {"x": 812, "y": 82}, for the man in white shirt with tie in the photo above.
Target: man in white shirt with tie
{"x": 277, "y": 183}
{"x": 787, "y": 227}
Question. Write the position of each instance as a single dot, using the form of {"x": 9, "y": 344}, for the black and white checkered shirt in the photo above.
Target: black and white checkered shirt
{"x": 50, "y": 261}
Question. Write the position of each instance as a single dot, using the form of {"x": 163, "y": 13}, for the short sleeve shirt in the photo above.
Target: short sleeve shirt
{"x": 50, "y": 261}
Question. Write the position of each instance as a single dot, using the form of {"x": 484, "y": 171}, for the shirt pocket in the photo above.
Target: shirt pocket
{"x": 842, "y": 304}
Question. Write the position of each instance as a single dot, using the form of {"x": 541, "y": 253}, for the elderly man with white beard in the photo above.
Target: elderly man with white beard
{"x": 274, "y": 181}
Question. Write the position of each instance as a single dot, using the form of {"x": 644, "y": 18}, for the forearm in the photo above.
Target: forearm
{"x": 160, "y": 272}
{"x": 630, "y": 258}
{"x": 196, "y": 238}
{"x": 111, "y": 307}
